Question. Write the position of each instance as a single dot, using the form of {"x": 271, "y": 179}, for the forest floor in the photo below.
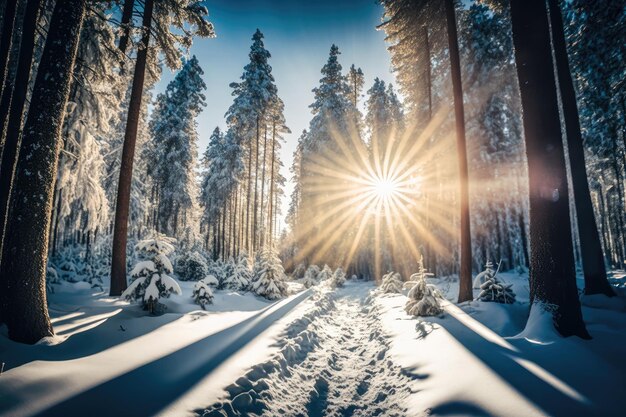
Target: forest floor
{"x": 319, "y": 352}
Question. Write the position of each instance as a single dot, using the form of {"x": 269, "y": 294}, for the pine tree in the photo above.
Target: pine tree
{"x": 270, "y": 282}
{"x": 356, "y": 79}
{"x": 168, "y": 13}
{"x": 173, "y": 151}
{"x": 25, "y": 247}
{"x": 552, "y": 275}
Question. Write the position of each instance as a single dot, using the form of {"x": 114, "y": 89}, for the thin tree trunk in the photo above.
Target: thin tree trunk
{"x": 8, "y": 24}
{"x": 256, "y": 189}
{"x": 14, "y": 104}
{"x": 465, "y": 271}
{"x": 26, "y": 242}
{"x": 263, "y": 186}
{"x": 552, "y": 275}
{"x": 120, "y": 233}
{"x": 247, "y": 237}
{"x": 271, "y": 236}
{"x": 591, "y": 249}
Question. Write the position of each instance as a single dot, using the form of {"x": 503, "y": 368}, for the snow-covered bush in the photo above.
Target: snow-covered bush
{"x": 239, "y": 278}
{"x": 217, "y": 270}
{"x": 270, "y": 282}
{"x": 338, "y": 279}
{"x": 391, "y": 284}
{"x": 493, "y": 288}
{"x": 299, "y": 271}
{"x": 310, "y": 276}
{"x": 191, "y": 266}
{"x": 228, "y": 268}
{"x": 483, "y": 276}
{"x": 325, "y": 273}
{"x": 423, "y": 297}
{"x": 150, "y": 279}
{"x": 202, "y": 293}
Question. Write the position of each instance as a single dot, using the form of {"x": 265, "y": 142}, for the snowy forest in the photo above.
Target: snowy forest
{"x": 286, "y": 208}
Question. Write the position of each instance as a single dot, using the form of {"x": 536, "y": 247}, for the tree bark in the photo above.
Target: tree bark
{"x": 256, "y": 189}
{"x": 263, "y": 187}
{"x": 552, "y": 275}
{"x": 465, "y": 271}
{"x": 591, "y": 249}
{"x": 271, "y": 209}
{"x": 127, "y": 15}
{"x": 120, "y": 232}
{"x": 5, "y": 42}
{"x": 14, "y": 104}
{"x": 26, "y": 242}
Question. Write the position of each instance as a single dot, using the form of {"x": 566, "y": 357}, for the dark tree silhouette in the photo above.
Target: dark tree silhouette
{"x": 552, "y": 275}
{"x": 590, "y": 247}
{"x": 26, "y": 240}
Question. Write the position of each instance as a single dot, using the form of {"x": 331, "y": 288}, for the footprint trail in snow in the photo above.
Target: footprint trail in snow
{"x": 332, "y": 362}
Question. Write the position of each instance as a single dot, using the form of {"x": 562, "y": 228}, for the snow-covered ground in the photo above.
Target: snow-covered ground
{"x": 318, "y": 352}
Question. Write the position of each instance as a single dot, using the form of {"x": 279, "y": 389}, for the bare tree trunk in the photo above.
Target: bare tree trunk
{"x": 8, "y": 24}
{"x": 271, "y": 236}
{"x": 465, "y": 271}
{"x": 247, "y": 236}
{"x": 14, "y": 103}
{"x": 120, "y": 233}
{"x": 552, "y": 275}
{"x": 591, "y": 249}
{"x": 255, "y": 229}
{"x": 127, "y": 15}
{"x": 263, "y": 186}
{"x": 26, "y": 242}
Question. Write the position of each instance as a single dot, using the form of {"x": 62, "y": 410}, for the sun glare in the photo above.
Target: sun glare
{"x": 384, "y": 188}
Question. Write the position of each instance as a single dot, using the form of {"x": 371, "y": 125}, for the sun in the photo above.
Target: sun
{"x": 384, "y": 188}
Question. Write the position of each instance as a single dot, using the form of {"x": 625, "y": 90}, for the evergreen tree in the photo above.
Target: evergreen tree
{"x": 356, "y": 79}
{"x": 172, "y": 152}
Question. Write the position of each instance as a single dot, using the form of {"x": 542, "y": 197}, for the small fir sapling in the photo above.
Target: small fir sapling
{"x": 391, "y": 284}
{"x": 423, "y": 297}
{"x": 270, "y": 282}
{"x": 338, "y": 279}
{"x": 191, "y": 266}
{"x": 485, "y": 275}
{"x": 310, "y": 276}
{"x": 494, "y": 289}
{"x": 202, "y": 293}
{"x": 325, "y": 274}
{"x": 239, "y": 278}
{"x": 150, "y": 275}
{"x": 299, "y": 271}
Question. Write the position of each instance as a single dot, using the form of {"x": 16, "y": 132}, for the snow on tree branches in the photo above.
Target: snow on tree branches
{"x": 492, "y": 288}
{"x": 270, "y": 282}
{"x": 392, "y": 283}
{"x": 150, "y": 279}
{"x": 423, "y": 297}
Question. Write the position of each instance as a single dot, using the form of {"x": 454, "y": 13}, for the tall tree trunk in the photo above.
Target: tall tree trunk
{"x": 591, "y": 249}
{"x": 256, "y": 189}
{"x": 15, "y": 106}
{"x": 5, "y": 41}
{"x": 552, "y": 275}
{"x": 271, "y": 209}
{"x": 263, "y": 187}
{"x": 247, "y": 237}
{"x": 465, "y": 271}
{"x": 127, "y": 15}
{"x": 26, "y": 242}
{"x": 120, "y": 233}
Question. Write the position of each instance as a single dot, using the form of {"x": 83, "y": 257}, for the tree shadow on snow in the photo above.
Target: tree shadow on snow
{"x": 537, "y": 385}
{"x": 146, "y": 390}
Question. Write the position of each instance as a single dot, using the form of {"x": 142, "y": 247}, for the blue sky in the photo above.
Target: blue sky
{"x": 298, "y": 34}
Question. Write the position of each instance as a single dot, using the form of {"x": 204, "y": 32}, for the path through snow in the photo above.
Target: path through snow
{"x": 332, "y": 362}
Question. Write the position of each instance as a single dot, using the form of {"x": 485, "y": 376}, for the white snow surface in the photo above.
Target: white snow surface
{"x": 318, "y": 352}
